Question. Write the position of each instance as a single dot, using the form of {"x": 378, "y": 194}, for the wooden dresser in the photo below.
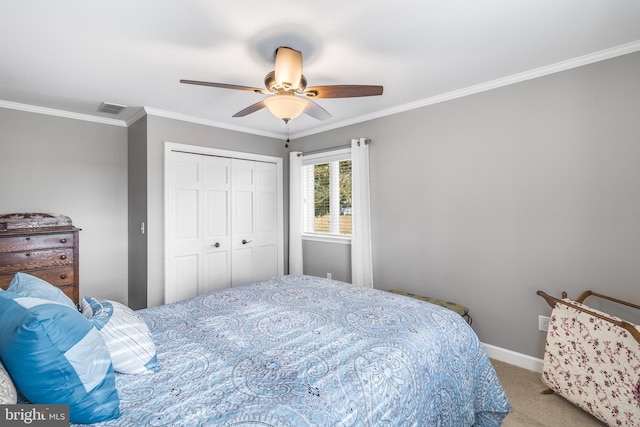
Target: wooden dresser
{"x": 43, "y": 245}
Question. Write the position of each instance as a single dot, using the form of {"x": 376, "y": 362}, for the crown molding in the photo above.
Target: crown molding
{"x": 206, "y": 122}
{"x": 483, "y": 87}
{"x": 140, "y": 113}
{"x": 61, "y": 113}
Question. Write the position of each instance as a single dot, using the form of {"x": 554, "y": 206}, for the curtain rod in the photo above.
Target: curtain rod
{"x": 324, "y": 150}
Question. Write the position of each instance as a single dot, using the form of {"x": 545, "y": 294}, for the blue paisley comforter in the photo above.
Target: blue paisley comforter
{"x": 305, "y": 351}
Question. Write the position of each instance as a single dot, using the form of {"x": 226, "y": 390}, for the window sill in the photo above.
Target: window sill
{"x": 327, "y": 238}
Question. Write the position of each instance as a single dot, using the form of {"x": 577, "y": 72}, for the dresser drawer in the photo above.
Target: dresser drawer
{"x": 59, "y": 276}
{"x": 42, "y": 241}
{"x": 13, "y": 262}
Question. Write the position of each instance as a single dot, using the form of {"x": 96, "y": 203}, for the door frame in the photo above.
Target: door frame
{"x": 170, "y": 147}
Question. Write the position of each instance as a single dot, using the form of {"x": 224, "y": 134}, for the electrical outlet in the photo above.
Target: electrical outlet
{"x": 328, "y": 275}
{"x": 543, "y": 323}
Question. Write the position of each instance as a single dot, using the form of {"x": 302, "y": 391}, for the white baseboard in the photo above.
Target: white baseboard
{"x": 513, "y": 358}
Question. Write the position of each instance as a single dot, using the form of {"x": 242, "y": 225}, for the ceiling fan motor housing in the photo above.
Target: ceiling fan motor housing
{"x": 273, "y": 86}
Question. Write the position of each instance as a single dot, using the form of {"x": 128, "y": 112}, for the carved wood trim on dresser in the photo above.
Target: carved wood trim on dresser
{"x": 43, "y": 245}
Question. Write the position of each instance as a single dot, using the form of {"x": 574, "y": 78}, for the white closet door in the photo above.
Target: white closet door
{"x": 244, "y": 217}
{"x": 183, "y": 265}
{"x": 222, "y": 223}
{"x": 216, "y": 236}
{"x": 255, "y": 221}
{"x": 266, "y": 228}
{"x": 199, "y": 226}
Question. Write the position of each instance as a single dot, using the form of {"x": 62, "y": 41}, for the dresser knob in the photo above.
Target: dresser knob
{"x": 28, "y": 238}
{"x": 63, "y": 276}
{"x": 63, "y": 257}
{"x": 27, "y": 254}
{"x": 63, "y": 240}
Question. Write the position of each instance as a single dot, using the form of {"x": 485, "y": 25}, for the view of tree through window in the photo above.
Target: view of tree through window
{"x": 322, "y": 197}
{"x": 328, "y": 197}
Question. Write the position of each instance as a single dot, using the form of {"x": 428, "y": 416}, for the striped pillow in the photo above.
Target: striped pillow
{"x": 55, "y": 356}
{"x": 126, "y": 335}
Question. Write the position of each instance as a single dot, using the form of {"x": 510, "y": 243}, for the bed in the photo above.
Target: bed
{"x": 307, "y": 351}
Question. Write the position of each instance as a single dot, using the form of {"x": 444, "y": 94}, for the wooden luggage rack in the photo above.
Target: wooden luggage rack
{"x": 631, "y": 328}
{"x": 592, "y": 359}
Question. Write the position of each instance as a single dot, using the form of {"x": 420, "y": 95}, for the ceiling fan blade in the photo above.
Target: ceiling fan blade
{"x": 288, "y": 68}
{"x": 316, "y": 111}
{"x": 250, "y": 109}
{"x": 225, "y": 86}
{"x": 343, "y": 91}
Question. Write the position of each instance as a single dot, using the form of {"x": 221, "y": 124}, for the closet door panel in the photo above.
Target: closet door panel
{"x": 184, "y": 228}
{"x": 186, "y": 276}
{"x": 266, "y": 221}
{"x": 217, "y": 215}
{"x": 217, "y": 272}
{"x": 243, "y": 221}
{"x": 216, "y": 241}
{"x": 243, "y": 217}
{"x": 242, "y": 271}
{"x": 185, "y": 232}
{"x": 266, "y": 262}
{"x": 243, "y": 172}
{"x": 187, "y": 215}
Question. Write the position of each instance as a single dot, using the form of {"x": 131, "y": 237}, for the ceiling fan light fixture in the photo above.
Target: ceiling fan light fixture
{"x": 288, "y": 68}
{"x": 285, "y": 107}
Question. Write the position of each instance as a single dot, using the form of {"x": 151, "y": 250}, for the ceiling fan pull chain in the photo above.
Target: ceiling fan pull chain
{"x": 286, "y": 122}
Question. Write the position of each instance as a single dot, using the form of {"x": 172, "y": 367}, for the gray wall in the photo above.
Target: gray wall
{"x": 485, "y": 199}
{"x": 137, "y": 214}
{"x": 160, "y": 130}
{"x": 78, "y": 169}
{"x": 320, "y": 258}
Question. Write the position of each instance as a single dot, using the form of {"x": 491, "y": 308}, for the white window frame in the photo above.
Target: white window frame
{"x": 327, "y": 157}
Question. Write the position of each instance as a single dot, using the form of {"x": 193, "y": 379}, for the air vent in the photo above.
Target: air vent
{"x": 111, "y": 108}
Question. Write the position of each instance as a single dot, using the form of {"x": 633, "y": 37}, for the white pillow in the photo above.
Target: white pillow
{"x": 126, "y": 335}
{"x": 8, "y": 395}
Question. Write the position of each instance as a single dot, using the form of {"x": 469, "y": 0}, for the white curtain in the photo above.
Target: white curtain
{"x": 295, "y": 213}
{"x": 361, "y": 258}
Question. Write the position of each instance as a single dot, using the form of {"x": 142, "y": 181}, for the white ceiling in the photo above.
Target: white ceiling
{"x": 66, "y": 57}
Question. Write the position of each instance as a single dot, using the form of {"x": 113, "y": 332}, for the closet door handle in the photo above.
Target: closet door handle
{"x": 216, "y": 245}
{"x": 244, "y": 242}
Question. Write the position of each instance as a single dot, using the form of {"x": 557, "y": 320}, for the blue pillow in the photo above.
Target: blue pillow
{"x": 27, "y": 285}
{"x": 54, "y": 355}
{"x": 126, "y": 335}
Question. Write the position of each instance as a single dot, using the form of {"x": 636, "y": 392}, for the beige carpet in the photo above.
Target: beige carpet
{"x": 530, "y": 408}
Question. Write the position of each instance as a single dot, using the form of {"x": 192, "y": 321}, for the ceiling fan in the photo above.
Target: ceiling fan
{"x": 289, "y": 94}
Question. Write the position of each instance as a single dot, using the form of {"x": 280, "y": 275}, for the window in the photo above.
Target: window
{"x": 326, "y": 184}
